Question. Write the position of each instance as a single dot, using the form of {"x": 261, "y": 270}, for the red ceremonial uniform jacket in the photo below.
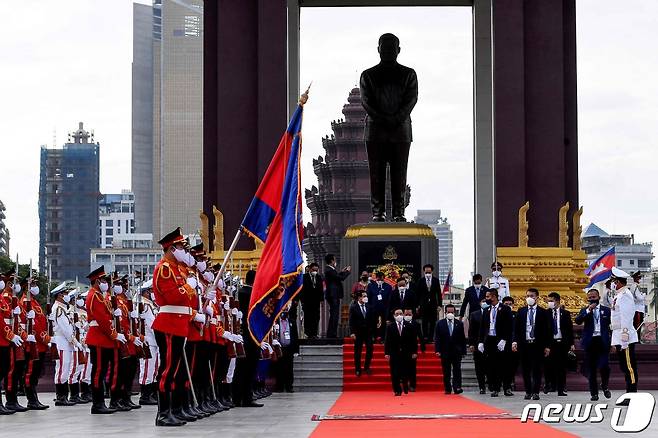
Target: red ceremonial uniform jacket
{"x": 122, "y": 303}
{"x": 6, "y": 332}
{"x": 40, "y": 324}
{"x": 101, "y": 332}
{"x": 194, "y": 333}
{"x": 171, "y": 289}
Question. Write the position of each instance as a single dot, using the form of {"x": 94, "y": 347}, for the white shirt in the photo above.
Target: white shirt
{"x": 639, "y": 297}
{"x": 492, "y": 319}
{"x": 596, "y": 315}
{"x": 622, "y": 313}
{"x": 529, "y": 325}
{"x": 501, "y": 283}
{"x": 62, "y": 327}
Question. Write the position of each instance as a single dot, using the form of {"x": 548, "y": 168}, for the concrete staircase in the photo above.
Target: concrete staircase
{"x": 319, "y": 368}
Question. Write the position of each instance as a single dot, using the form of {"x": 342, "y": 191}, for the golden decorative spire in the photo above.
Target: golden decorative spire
{"x": 218, "y": 230}
{"x": 577, "y": 230}
{"x": 523, "y": 225}
{"x": 563, "y": 223}
{"x": 204, "y": 232}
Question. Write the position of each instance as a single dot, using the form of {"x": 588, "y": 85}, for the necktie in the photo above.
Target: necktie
{"x": 429, "y": 284}
{"x": 531, "y": 316}
{"x": 493, "y": 313}
{"x": 400, "y": 328}
{"x": 401, "y": 296}
{"x": 596, "y": 315}
{"x": 555, "y": 321}
{"x": 363, "y": 310}
{"x": 450, "y": 328}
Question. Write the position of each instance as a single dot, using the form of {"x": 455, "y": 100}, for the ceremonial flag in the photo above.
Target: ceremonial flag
{"x": 275, "y": 217}
{"x": 446, "y": 286}
{"x": 601, "y": 269}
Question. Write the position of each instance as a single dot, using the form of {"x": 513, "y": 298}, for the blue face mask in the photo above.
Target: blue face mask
{"x": 484, "y": 306}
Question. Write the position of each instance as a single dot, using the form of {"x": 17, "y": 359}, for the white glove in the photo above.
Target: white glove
{"x": 625, "y": 338}
{"x": 117, "y": 312}
{"x": 624, "y": 345}
{"x": 239, "y": 315}
{"x": 143, "y": 315}
{"x": 78, "y": 325}
{"x": 134, "y": 314}
{"x": 137, "y": 342}
{"x": 31, "y": 338}
{"x": 275, "y": 342}
{"x": 17, "y": 310}
{"x": 208, "y": 276}
{"x": 227, "y": 335}
{"x": 31, "y": 314}
{"x": 211, "y": 294}
{"x": 221, "y": 285}
{"x": 481, "y": 347}
{"x": 78, "y": 346}
{"x": 295, "y": 354}
{"x": 227, "y": 306}
{"x": 210, "y": 311}
{"x": 121, "y": 338}
{"x": 200, "y": 317}
{"x": 501, "y": 345}
{"x": 275, "y": 326}
{"x": 264, "y": 346}
{"x": 234, "y": 312}
{"x": 17, "y": 340}
{"x": 238, "y": 339}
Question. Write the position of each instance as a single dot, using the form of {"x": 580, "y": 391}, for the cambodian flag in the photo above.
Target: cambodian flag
{"x": 446, "y": 286}
{"x": 601, "y": 269}
{"x": 275, "y": 217}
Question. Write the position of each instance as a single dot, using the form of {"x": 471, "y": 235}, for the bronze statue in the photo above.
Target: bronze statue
{"x": 389, "y": 92}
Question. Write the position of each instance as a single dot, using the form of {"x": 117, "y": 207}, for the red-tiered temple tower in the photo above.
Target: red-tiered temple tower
{"x": 342, "y": 197}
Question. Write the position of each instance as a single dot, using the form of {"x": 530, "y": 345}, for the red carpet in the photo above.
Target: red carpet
{"x": 429, "y": 373}
{"x": 377, "y": 402}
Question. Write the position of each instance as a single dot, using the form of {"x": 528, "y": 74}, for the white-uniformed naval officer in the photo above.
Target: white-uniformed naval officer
{"x": 624, "y": 335}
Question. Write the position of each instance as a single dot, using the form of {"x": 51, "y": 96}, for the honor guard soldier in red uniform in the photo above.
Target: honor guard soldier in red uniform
{"x": 102, "y": 339}
{"x": 171, "y": 325}
{"x": 14, "y": 319}
{"x": 8, "y": 339}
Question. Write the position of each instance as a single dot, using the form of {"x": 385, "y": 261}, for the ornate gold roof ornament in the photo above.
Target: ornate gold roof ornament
{"x": 523, "y": 225}
{"x": 563, "y": 223}
{"x": 576, "y": 244}
{"x": 204, "y": 232}
{"x": 218, "y": 230}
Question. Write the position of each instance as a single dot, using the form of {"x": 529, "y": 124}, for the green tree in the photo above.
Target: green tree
{"x": 6, "y": 264}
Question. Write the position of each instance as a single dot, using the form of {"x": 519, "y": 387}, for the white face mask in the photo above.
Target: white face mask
{"x": 428, "y": 275}
{"x": 613, "y": 286}
{"x": 364, "y": 300}
{"x": 314, "y": 273}
{"x": 192, "y": 282}
{"x": 478, "y": 286}
{"x": 398, "y": 318}
{"x": 66, "y": 298}
{"x": 379, "y": 282}
{"x": 80, "y": 302}
{"x": 179, "y": 254}
{"x": 117, "y": 289}
{"x": 408, "y": 318}
{"x": 531, "y": 301}
{"x": 17, "y": 288}
{"x": 103, "y": 287}
{"x": 34, "y": 290}
{"x": 496, "y": 273}
{"x": 450, "y": 316}
{"x": 551, "y": 304}
{"x": 402, "y": 289}
{"x": 201, "y": 266}
{"x": 2, "y": 284}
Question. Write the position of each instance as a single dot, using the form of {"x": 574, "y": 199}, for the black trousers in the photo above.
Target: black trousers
{"x": 628, "y": 366}
{"x": 555, "y": 369}
{"x": 245, "y": 373}
{"x": 283, "y": 369}
{"x": 102, "y": 360}
{"x": 532, "y": 359}
{"x": 596, "y": 358}
{"x": 171, "y": 358}
{"x": 362, "y": 338}
{"x": 5, "y": 363}
{"x": 452, "y": 372}
{"x": 396, "y": 155}
{"x": 497, "y": 363}
{"x": 334, "y": 315}
{"x": 480, "y": 368}
{"x": 397, "y": 365}
{"x": 311, "y": 318}
{"x": 33, "y": 371}
{"x": 220, "y": 364}
{"x": 428, "y": 323}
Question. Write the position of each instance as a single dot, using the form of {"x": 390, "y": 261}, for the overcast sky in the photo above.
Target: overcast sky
{"x": 70, "y": 61}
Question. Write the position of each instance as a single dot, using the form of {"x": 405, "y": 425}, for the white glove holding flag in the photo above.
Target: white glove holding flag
{"x": 117, "y": 312}
{"x": 481, "y": 347}
{"x": 238, "y": 339}
{"x": 17, "y": 340}
{"x": 276, "y": 342}
{"x": 265, "y": 346}
{"x": 221, "y": 285}
{"x": 137, "y": 342}
{"x": 227, "y": 335}
{"x": 239, "y": 315}
{"x": 200, "y": 317}
{"x": 208, "y": 276}
{"x": 275, "y": 327}
{"x": 31, "y": 314}
{"x": 234, "y": 312}
{"x": 121, "y": 338}
{"x": 134, "y": 314}
{"x": 211, "y": 294}
{"x": 501, "y": 345}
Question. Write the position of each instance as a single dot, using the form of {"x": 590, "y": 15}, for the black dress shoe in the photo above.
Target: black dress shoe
{"x": 405, "y": 389}
{"x": 397, "y": 394}
{"x": 412, "y": 388}
{"x": 447, "y": 391}
{"x": 379, "y": 218}
{"x": 508, "y": 393}
{"x": 253, "y": 404}
{"x": 368, "y": 371}
{"x": 527, "y": 397}
{"x": 562, "y": 394}
{"x": 102, "y": 409}
{"x": 494, "y": 393}
{"x": 5, "y": 411}
{"x": 594, "y": 398}
{"x": 606, "y": 393}
{"x": 358, "y": 373}
{"x": 535, "y": 396}
{"x": 483, "y": 391}
{"x": 15, "y": 406}
{"x": 36, "y": 406}
{"x": 399, "y": 219}
{"x": 458, "y": 391}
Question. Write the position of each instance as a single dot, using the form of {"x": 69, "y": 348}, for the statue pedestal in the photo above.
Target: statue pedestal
{"x": 388, "y": 247}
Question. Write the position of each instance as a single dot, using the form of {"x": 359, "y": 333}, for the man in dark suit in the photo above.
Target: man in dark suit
{"x": 595, "y": 341}
{"x": 400, "y": 348}
{"x": 555, "y": 369}
{"x": 450, "y": 346}
{"x": 428, "y": 291}
{"x": 532, "y": 328}
{"x": 402, "y": 298}
{"x": 245, "y": 368}
{"x": 289, "y": 339}
{"x": 474, "y": 323}
{"x": 311, "y": 298}
{"x": 334, "y": 291}
{"x": 473, "y": 296}
{"x": 509, "y": 375}
{"x": 494, "y": 341}
{"x": 379, "y": 296}
{"x": 418, "y": 335}
{"x": 361, "y": 330}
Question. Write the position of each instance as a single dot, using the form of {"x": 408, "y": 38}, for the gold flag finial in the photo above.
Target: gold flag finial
{"x": 304, "y": 97}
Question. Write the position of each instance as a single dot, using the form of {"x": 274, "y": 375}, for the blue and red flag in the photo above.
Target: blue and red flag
{"x": 275, "y": 217}
{"x": 601, "y": 268}
{"x": 446, "y": 286}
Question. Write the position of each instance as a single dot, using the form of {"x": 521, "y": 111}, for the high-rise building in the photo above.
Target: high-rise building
{"x": 630, "y": 256}
{"x": 68, "y": 205}
{"x": 171, "y": 73}
{"x": 116, "y": 217}
{"x": 443, "y": 233}
{"x": 144, "y": 20}
{"x": 4, "y": 232}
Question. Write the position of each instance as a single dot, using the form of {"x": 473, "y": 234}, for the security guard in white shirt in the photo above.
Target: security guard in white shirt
{"x": 624, "y": 335}
{"x": 640, "y": 302}
{"x": 497, "y": 281}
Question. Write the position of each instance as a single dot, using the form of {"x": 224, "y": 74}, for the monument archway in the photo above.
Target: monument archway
{"x": 525, "y": 124}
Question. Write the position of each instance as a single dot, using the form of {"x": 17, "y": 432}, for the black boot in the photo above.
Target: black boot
{"x": 74, "y": 391}
{"x": 12, "y": 402}
{"x": 98, "y": 403}
{"x": 164, "y": 416}
{"x": 127, "y": 400}
{"x": 227, "y": 397}
{"x": 61, "y": 395}
{"x": 33, "y": 402}
{"x": 85, "y": 392}
{"x": 178, "y": 400}
{"x": 145, "y": 398}
{"x": 3, "y": 410}
{"x": 116, "y": 402}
